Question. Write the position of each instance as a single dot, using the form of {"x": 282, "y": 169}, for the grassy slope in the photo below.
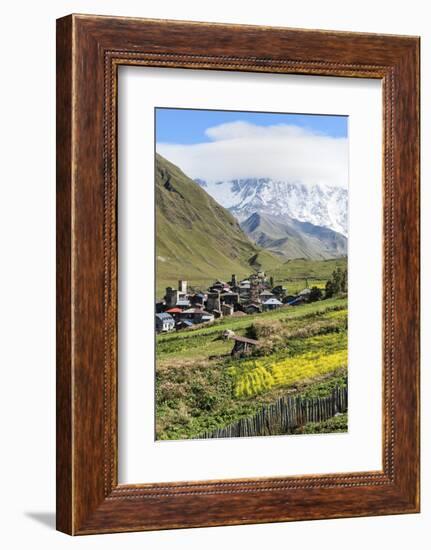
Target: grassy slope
{"x": 301, "y": 268}
{"x": 196, "y": 238}
{"x": 199, "y": 387}
{"x": 295, "y": 274}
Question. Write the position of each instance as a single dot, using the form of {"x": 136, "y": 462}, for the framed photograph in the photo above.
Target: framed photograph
{"x": 237, "y": 274}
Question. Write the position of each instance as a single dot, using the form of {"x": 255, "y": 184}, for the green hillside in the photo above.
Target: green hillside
{"x": 300, "y": 273}
{"x": 301, "y": 268}
{"x": 196, "y": 238}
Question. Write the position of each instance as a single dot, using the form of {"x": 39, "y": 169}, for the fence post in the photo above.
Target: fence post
{"x": 284, "y": 415}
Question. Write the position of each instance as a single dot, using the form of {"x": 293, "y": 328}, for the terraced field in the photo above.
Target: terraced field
{"x": 199, "y": 387}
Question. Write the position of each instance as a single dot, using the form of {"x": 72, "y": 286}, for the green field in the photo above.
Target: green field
{"x": 303, "y": 350}
{"x": 298, "y": 274}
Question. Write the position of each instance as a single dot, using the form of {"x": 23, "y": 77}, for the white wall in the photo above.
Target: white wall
{"x": 27, "y": 314}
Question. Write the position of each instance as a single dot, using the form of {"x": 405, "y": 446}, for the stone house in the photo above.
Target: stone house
{"x": 164, "y": 322}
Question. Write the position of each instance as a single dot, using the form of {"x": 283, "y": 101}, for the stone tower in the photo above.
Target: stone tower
{"x": 254, "y": 290}
{"x": 213, "y": 301}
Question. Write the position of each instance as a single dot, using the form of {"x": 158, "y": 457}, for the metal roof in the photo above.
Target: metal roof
{"x": 295, "y": 300}
{"x": 304, "y": 292}
{"x": 272, "y": 302}
{"x": 164, "y": 317}
{"x": 186, "y": 322}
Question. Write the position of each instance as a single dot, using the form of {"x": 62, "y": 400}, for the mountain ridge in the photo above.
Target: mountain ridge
{"x": 196, "y": 238}
{"x": 320, "y": 204}
{"x": 291, "y": 239}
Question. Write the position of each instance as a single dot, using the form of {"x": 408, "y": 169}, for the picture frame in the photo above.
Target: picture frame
{"x": 89, "y": 51}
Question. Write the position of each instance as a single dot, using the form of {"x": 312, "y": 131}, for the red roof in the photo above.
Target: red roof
{"x": 173, "y": 310}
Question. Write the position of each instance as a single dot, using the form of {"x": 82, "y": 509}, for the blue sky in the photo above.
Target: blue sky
{"x": 187, "y": 126}
{"x": 226, "y": 145}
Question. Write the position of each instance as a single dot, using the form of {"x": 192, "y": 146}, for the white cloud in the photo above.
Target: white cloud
{"x": 281, "y": 152}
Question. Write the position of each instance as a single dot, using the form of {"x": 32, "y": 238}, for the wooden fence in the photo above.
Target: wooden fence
{"x": 285, "y": 415}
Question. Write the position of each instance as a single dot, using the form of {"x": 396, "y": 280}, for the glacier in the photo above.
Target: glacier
{"x": 320, "y": 204}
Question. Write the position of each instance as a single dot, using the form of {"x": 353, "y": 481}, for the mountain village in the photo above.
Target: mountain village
{"x": 183, "y": 308}
{"x": 262, "y": 351}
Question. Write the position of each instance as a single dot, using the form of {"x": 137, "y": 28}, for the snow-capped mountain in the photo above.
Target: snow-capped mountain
{"x": 318, "y": 204}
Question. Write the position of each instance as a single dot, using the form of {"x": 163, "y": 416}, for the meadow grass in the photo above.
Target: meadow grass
{"x": 285, "y": 313}
{"x": 200, "y": 387}
{"x": 311, "y": 270}
{"x": 205, "y": 342}
{"x": 336, "y": 424}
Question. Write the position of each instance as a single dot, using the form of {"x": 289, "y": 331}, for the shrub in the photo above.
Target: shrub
{"x": 168, "y": 391}
{"x": 337, "y": 284}
{"x": 332, "y": 425}
{"x": 315, "y": 294}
